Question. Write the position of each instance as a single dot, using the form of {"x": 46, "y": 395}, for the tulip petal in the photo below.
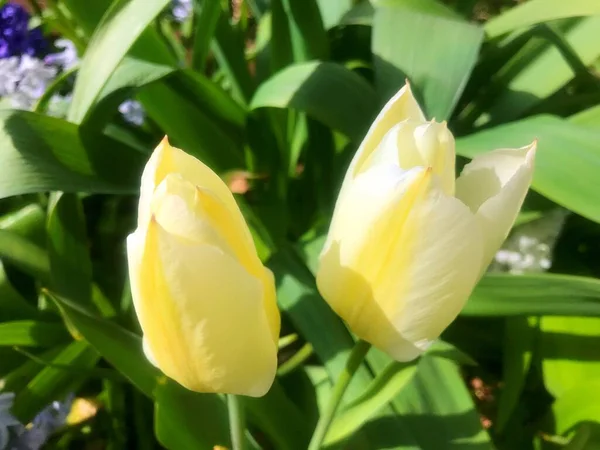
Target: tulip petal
{"x": 401, "y": 261}
{"x": 167, "y": 160}
{"x": 494, "y": 186}
{"x": 402, "y": 106}
{"x": 203, "y": 330}
{"x": 412, "y": 144}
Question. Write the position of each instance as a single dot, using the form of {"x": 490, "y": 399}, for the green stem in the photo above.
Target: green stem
{"x": 354, "y": 361}
{"x": 237, "y": 421}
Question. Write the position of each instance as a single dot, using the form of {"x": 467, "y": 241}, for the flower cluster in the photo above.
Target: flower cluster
{"x": 35, "y": 435}
{"x": 15, "y": 36}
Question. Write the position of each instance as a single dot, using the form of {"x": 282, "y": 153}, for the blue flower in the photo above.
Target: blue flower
{"x": 6, "y": 418}
{"x": 15, "y": 37}
{"x": 181, "y": 9}
{"x": 132, "y": 112}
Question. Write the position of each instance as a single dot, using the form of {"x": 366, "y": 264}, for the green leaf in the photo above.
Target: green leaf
{"x": 333, "y": 10}
{"x": 120, "y": 27}
{"x": 307, "y": 33}
{"x": 545, "y": 73}
{"x": 325, "y": 91}
{"x": 438, "y": 64}
{"x": 279, "y": 418}
{"x": 184, "y": 419}
{"x": 386, "y": 385}
{"x": 578, "y": 405}
{"x": 519, "y": 341}
{"x": 29, "y": 333}
{"x": 130, "y": 73}
{"x": 588, "y": 117}
{"x": 536, "y": 11}
{"x": 438, "y": 409}
{"x": 25, "y": 255}
{"x": 40, "y": 153}
{"x": 530, "y": 295}
{"x": 586, "y": 438}
{"x": 119, "y": 347}
{"x": 228, "y": 49}
{"x": 207, "y": 16}
{"x": 569, "y": 348}
{"x": 12, "y": 304}
{"x": 53, "y": 383}
{"x": 17, "y": 379}
{"x": 576, "y": 168}
{"x": 70, "y": 264}
{"x": 179, "y": 114}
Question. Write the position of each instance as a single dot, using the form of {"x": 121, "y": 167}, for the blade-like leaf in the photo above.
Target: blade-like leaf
{"x": 53, "y": 383}
{"x": 530, "y": 295}
{"x": 327, "y": 92}
{"x": 29, "y": 333}
{"x": 536, "y": 11}
{"x": 118, "y": 346}
{"x": 569, "y": 348}
{"x": 438, "y": 64}
{"x": 120, "y": 27}
{"x": 39, "y": 153}
{"x": 566, "y": 152}
{"x": 386, "y": 385}
{"x": 70, "y": 264}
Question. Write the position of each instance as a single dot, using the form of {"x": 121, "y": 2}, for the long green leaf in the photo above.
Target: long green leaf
{"x": 53, "y": 383}
{"x": 566, "y": 152}
{"x": 537, "y": 11}
{"x": 327, "y": 92}
{"x": 70, "y": 263}
{"x": 530, "y": 295}
{"x": 121, "y": 26}
{"x": 39, "y": 153}
{"x": 118, "y": 346}
{"x": 28, "y": 333}
{"x": 545, "y": 72}
{"x": 437, "y": 63}
{"x": 569, "y": 348}
{"x": 386, "y": 385}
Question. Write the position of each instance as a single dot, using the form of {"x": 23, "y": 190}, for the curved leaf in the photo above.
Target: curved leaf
{"x": 326, "y": 91}
{"x": 534, "y": 295}
{"x": 39, "y": 153}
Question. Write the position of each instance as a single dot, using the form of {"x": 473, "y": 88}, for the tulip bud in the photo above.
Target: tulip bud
{"x": 408, "y": 242}
{"x": 205, "y": 302}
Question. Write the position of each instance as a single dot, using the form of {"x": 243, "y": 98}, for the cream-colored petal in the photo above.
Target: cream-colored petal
{"x": 401, "y": 261}
{"x": 399, "y": 108}
{"x": 494, "y": 186}
{"x": 356, "y": 250}
{"x": 197, "y": 214}
{"x": 203, "y": 317}
{"x": 166, "y": 160}
{"x": 412, "y": 144}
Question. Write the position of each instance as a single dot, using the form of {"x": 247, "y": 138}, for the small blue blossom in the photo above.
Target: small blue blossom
{"x": 15, "y": 37}
{"x": 6, "y": 418}
{"x": 181, "y": 9}
{"x": 64, "y": 59}
{"x": 43, "y": 425}
{"x": 132, "y": 112}
{"x": 33, "y": 78}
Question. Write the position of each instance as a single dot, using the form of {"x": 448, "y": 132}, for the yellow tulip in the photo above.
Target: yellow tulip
{"x": 408, "y": 241}
{"x": 205, "y": 302}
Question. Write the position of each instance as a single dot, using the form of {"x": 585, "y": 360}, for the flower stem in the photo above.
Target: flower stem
{"x": 352, "y": 364}
{"x": 237, "y": 422}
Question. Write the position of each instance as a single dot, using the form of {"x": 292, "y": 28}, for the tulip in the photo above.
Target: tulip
{"x": 408, "y": 241}
{"x": 205, "y": 302}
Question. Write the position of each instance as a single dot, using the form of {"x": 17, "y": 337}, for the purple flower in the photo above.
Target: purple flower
{"x": 132, "y": 112}
{"x": 64, "y": 59}
{"x": 181, "y": 9}
{"x": 15, "y": 37}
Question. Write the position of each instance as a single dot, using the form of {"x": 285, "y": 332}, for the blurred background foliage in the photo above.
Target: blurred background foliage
{"x": 275, "y": 96}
